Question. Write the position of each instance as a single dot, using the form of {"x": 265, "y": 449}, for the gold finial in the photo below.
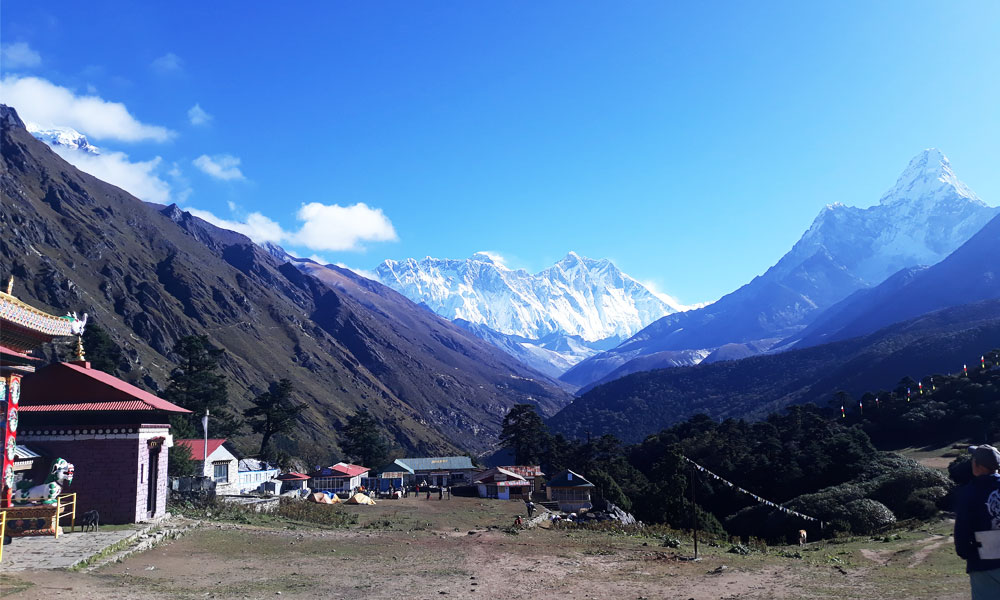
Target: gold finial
{"x": 10, "y": 285}
{"x": 79, "y": 349}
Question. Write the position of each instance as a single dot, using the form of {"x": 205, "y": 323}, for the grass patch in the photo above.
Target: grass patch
{"x": 10, "y": 585}
{"x": 289, "y": 512}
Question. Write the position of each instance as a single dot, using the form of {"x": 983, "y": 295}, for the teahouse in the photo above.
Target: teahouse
{"x": 502, "y": 484}
{"x": 254, "y": 474}
{"x": 570, "y": 490}
{"x": 437, "y": 471}
{"x": 218, "y": 463}
{"x": 339, "y": 478}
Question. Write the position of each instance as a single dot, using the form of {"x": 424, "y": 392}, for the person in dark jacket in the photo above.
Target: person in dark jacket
{"x": 977, "y": 509}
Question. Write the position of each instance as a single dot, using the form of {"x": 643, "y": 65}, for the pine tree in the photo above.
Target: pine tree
{"x": 102, "y": 352}
{"x": 197, "y": 386}
{"x": 363, "y": 441}
{"x": 525, "y": 433}
{"x": 272, "y": 413}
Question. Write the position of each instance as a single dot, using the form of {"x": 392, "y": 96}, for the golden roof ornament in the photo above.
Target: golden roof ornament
{"x": 79, "y": 349}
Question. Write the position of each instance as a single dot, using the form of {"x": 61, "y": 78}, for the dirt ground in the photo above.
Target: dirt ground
{"x": 415, "y": 548}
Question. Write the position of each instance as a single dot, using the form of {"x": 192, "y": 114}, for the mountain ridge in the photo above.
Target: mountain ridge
{"x": 151, "y": 274}
{"x": 927, "y": 214}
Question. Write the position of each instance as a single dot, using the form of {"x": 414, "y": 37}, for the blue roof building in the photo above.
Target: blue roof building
{"x": 438, "y": 470}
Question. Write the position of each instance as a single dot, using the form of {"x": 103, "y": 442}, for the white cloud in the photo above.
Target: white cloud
{"x": 334, "y": 227}
{"x": 256, "y": 226}
{"x": 670, "y": 300}
{"x": 18, "y": 55}
{"x": 361, "y": 272}
{"x": 168, "y": 63}
{"x": 220, "y": 166}
{"x": 50, "y": 106}
{"x": 198, "y": 116}
{"x": 137, "y": 178}
{"x": 495, "y": 257}
{"x": 324, "y": 228}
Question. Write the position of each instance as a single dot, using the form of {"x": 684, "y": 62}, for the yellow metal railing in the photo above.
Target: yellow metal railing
{"x": 66, "y": 507}
{"x": 3, "y": 531}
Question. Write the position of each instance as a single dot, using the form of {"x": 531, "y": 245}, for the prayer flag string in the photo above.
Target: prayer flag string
{"x": 752, "y": 495}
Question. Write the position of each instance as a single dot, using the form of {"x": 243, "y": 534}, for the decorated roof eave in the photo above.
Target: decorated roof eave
{"x": 24, "y": 327}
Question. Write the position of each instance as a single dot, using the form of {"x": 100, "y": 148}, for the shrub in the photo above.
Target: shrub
{"x": 896, "y": 488}
{"x": 867, "y": 515}
{"x": 924, "y": 503}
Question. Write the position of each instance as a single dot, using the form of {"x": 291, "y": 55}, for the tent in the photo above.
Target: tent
{"x": 360, "y": 499}
{"x": 319, "y": 498}
{"x": 334, "y": 499}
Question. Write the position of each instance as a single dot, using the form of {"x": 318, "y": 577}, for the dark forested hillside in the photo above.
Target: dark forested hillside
{"x": 643, "y": 403}
{"x": 149, "y": 276}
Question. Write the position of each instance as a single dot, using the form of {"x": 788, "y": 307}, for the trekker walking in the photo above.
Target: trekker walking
{"x": 531, "y": 507}
{"x": 977, "y": 523}
{"x": 440, "y": 493}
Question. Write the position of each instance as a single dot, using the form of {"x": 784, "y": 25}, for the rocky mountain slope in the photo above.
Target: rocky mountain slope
{"x": 551, "y": 319}
{"x": 149, "y": 275}
{"x": 925, "y": 216}
{"x": 969, "y": 274}
{"x": 643, "y": 403}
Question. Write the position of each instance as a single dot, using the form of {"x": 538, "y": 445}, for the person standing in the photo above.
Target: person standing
{"x": 531, "y": 508}
{"x": 977, "y": 522}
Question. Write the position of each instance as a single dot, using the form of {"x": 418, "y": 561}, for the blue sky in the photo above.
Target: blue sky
{"x": 691, "y": 143}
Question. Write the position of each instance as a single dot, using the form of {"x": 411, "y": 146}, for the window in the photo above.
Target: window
{"x": 221, "y": 474}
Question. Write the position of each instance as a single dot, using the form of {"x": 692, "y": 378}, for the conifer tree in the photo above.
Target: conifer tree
{"x": 363, "y": 441}
{"x": 197, "y": 386}
{"x": 525, "y": 433}
{"x": 272, "y": 413}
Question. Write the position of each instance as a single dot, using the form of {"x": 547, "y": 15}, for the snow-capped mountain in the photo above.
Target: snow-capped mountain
{"x": 558, "y": 316}
{"x": 922, "y": 219}
{"x": 65, "y": 137}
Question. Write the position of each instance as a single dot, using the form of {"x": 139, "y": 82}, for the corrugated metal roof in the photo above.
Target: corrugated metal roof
{"x": 568, "y": 478}
{"x": 490, "y": 475}
{"x": 292, "y": 476}
{"x": 23, "y": 452}
{"x": 54, "y": 385}
{"x": 252, "y": 464}
{"x": 127, "y": 405}
{"x": 349, "y": 469}
{"x": 439, "y": 463}
{"x": 198, "y": 446}
{"x": 525, "y": 470}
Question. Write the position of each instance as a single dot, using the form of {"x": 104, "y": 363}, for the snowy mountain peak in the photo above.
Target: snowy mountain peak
{"x": 484, "y": 257}
{"x": 923, "y": 218}
{"x": 62, "y": 136}
{"x": 926, "y": 179}
{"x": 577, "y": 296}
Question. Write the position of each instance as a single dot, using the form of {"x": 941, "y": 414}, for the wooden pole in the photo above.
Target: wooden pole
{"x": 694, "y": 513}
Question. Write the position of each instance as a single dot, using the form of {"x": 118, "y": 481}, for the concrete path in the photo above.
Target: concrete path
{"x": 47, "y": 552}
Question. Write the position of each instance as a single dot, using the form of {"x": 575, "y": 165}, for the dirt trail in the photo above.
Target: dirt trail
{"x": 920, "y": 555}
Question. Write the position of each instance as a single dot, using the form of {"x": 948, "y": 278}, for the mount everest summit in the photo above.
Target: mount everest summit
{"x": 551, "y": 320}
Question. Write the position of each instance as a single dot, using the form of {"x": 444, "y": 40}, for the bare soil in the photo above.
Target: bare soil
{"x": 421, "y": 549}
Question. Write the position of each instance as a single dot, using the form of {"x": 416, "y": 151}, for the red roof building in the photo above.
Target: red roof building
{"x": 197, "y": 447}
{"x": 116, "y": 435}
{"x": 341, "y": 477}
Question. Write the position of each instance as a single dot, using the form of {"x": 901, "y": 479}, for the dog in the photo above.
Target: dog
{"x": 802, "y": 537}
{"x": 91, "y": 519}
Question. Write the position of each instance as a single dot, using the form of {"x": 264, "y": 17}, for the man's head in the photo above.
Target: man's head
{"x": 985, "y": 459}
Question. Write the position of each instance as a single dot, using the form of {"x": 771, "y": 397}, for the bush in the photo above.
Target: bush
{"x": 867, "y": 515}
{"x": 895, "y": 489}
{"x": 924, "y": 503}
